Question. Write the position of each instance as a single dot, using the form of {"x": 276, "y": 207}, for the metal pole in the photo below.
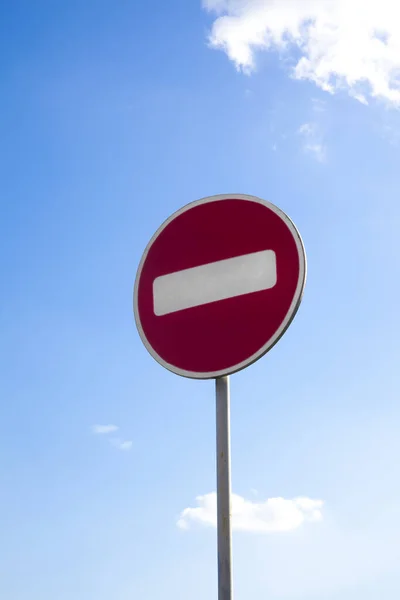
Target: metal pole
{"x": 224, "y": 490}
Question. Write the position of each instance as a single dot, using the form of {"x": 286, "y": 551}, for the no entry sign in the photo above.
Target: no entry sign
{"x": 218, "y": 285}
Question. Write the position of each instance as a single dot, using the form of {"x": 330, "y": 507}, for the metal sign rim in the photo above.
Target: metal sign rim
{"x": 289, "y": 315}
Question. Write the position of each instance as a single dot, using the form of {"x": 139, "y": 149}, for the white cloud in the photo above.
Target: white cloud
{"x": 104, "y": 429}
{"x": 121, "y": 444}
{"x": 275, "y": 514}
{"x": 352, "y": 44}
{"x": 312, "y": 141}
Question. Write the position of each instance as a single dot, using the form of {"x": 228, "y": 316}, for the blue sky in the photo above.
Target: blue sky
{"x": 112, "y": 116}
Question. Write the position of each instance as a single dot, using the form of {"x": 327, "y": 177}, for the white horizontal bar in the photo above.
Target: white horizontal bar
{"x": 215, "y": 281}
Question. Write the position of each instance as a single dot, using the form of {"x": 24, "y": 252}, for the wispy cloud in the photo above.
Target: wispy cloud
{"x": 121, "y": 444}
{"x": 343, "y": 44}
{"x": 312, "y": 141}
{"x": 116, "y": 442}
{"x": 104, "y": 429}
{"x": 272, "y": 515}
{"x": 318, "y": 105}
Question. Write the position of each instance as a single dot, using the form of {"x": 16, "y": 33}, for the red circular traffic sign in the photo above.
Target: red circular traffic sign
{"x": 218, "y": 285}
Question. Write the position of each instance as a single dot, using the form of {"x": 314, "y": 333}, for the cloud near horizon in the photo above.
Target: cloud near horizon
{"x": 272, "y": 515}
{"x": 339, "y": 44}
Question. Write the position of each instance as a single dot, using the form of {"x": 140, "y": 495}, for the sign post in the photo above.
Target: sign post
{"x": 224, "y": 489}
{"x": 217, "y": 286}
